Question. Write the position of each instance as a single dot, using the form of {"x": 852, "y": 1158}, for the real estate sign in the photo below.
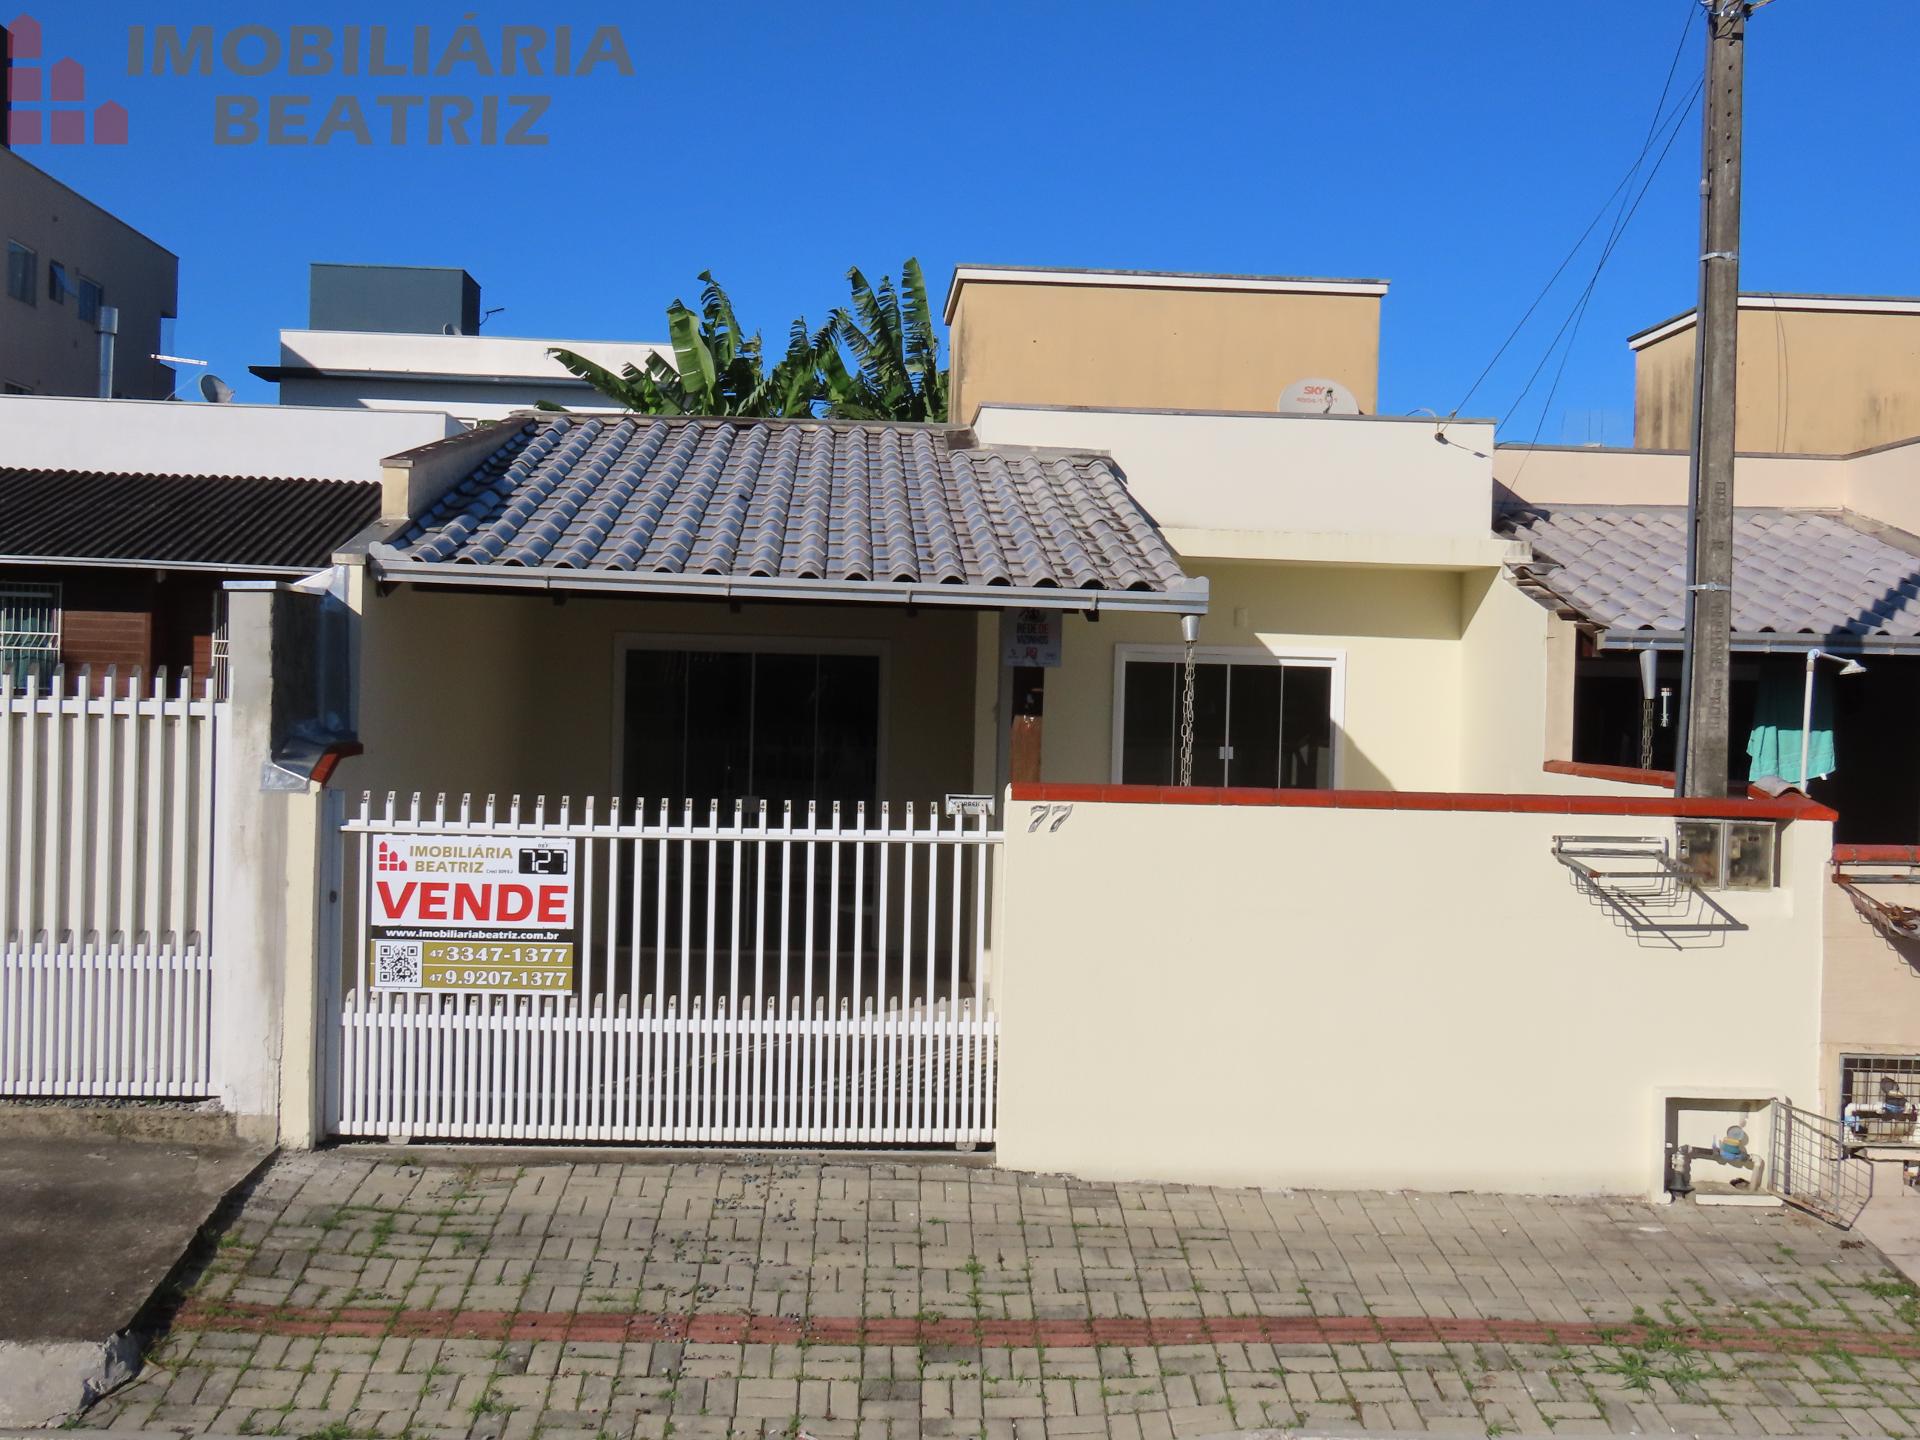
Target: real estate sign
{"x": 472, "y": 913}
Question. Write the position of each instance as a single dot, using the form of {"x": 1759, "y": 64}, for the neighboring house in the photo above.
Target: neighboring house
{"x": 1826, "y": 557}
{"x": 67, "y": 261}
{"x": 120, "y": 521}
{"x": 1826, "y": 550}
{"x": 388, "y": 337}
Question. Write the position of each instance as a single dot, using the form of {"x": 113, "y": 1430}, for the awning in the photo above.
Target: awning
{"x": 794, "y": 510}
{"x": 229, "y": 523}
{"x": 1801, "y": 578}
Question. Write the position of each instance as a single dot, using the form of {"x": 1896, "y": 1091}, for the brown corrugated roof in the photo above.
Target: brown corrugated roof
{"x": 219, "y": 521}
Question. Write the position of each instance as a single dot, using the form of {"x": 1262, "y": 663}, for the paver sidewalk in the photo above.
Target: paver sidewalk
{"x": 364, "y": 1294}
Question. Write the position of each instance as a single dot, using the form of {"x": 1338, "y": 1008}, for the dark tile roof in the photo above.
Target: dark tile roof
{"x": 1796, "y": 572}
{"x": 799, "y": 501}
{"x": 217, "y": 521}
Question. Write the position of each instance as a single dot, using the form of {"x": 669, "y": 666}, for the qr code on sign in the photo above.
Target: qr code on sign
{"x": 396, "y": 964}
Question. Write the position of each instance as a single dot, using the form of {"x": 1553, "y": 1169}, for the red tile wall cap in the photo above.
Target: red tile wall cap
{"x": 1618, "y": 774}
{"x": 1876, "y": 854}
{"x": 1628, "y": 775}
{"x": 1785, "y": 807}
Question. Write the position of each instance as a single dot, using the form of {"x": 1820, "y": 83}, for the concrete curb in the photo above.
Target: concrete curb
{"x": 162, "y": 1123}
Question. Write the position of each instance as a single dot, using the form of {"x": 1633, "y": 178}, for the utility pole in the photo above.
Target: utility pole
{"x": 1703, "y": 765}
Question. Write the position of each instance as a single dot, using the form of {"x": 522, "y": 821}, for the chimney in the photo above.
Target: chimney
{"x": 1154, "y": 340}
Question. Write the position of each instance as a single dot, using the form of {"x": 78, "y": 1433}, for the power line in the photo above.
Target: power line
{"x": 1579, "y": 311}
{"x": 1653, "y": 128}
{"x": 1676, "y": 122}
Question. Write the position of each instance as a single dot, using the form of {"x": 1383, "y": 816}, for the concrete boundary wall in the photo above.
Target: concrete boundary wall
{"x": 1375, "y": 991}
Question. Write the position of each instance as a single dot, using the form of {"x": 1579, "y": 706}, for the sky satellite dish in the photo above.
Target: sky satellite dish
{"x": 1318, "y": 397}
{"x": 214, "y": 390}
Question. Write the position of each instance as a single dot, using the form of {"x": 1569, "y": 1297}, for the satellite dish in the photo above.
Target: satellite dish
{"x": 1318, "y": 397}
{"x": 214, "y": 390}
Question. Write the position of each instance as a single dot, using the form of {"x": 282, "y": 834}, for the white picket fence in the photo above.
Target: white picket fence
{"x": 104, "y": 1021}
{"x": 746, "y": 979}
{"x": 106, "y": 885}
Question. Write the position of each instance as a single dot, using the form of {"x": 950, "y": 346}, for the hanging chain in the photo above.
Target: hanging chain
{"x": 1186, "y": 721}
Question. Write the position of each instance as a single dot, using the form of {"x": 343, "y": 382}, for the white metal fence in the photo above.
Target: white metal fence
{"x": 106, "y": 885}
{"x": 750, "y": 978}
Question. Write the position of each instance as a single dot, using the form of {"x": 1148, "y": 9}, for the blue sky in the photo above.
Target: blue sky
{"x": 1456, "y": 149}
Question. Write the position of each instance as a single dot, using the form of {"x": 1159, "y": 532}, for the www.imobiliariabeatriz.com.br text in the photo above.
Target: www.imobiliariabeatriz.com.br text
{"x": 432, "y": 113}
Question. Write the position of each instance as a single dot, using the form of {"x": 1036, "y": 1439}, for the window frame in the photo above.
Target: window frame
{"x": 81, "y": 283}
{"x": 627, "y": 642}
{"x": 32, "y": 295}
{"x": 1305, "y": 657}
{"x": 53, "y": 594}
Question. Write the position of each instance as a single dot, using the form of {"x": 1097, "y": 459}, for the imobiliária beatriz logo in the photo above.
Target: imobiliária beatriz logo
{"x": 48, "y": 103}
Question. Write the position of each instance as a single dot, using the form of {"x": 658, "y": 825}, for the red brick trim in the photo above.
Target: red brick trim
{"x": 1876, "y": 854}
{"x": 748, "y": 1329}
{"x": 1784, "y": 808}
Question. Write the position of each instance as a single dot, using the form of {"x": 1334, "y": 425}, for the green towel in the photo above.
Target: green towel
{"x": 1774, "y": 745}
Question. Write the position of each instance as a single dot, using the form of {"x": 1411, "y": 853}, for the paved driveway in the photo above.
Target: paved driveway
{"x": 370, "y": 1291}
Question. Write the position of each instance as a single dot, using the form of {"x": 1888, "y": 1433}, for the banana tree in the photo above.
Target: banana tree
{"x": 896, "y": 348}
{"x": 717, "y": 368}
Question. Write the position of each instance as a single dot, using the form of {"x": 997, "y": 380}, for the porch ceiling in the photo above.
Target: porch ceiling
{"x": 793, "y": 509}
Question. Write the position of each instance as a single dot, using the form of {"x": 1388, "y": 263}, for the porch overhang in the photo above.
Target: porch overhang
{"x": 1189, "y": 598}
{"x": 792, "y": 510}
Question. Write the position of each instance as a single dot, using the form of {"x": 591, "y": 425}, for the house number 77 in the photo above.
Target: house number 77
{"x": 1040, "y": 814}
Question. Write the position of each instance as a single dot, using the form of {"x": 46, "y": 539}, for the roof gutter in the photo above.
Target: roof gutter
{"x": 1766, "y": 642}
{"x": 1189, "y": 599}
{"x": 125, "y": 563}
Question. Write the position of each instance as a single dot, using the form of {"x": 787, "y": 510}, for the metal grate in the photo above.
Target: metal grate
{"x": 1866, "y": 1081}
{"x": 220, "y": 647}
{"x": 1812, "y": 1168}
{"x": 1635, "y": 880}
{"x": 29, "y": 632}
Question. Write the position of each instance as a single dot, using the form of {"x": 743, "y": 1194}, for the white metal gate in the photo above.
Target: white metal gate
{"x": 748, "y": 978}
{"x": 106, "y": 885}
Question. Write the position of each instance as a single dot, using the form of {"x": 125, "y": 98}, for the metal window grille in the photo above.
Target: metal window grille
{"x": 220, "y": 648}
{"x": 1864, "y": 1080}
{"x": 29, "y": 632}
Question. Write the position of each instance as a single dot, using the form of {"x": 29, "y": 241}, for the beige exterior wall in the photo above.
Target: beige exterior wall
{"x": 511, "y": 693}
{"x": 1545, "y": 475}
{"x": 1882, "y": 484}
{"x": 1811, "y": 381}
{"x": 1516, "y": 688}
{"x": 1055, "y": 342}
{"x": 1372, "y": 999}
{"x": 1395, "y": 632}
{"x": 1870, "y": 993}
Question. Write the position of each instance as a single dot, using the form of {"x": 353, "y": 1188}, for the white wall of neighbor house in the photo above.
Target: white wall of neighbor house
{"x": 160, "y": 437}
{"x": 513, "y": 692}
{"x": 1363, "y": 475}
{"x": 1252, "y": 995}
